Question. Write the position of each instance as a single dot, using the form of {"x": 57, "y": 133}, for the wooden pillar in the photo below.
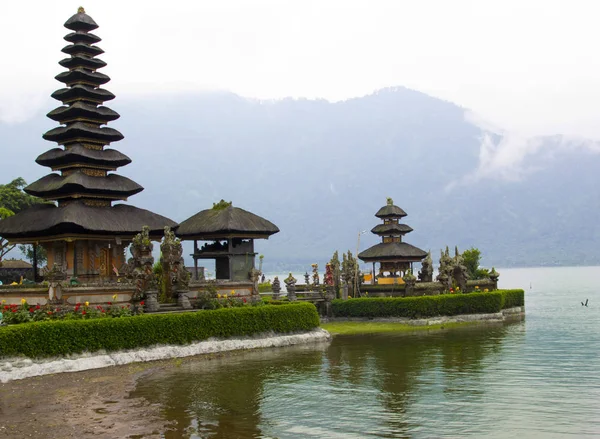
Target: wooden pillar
{"x": 374, "y": 275}
{"x": 229, "y": 257}
{"x": 195, "y": 259}
{"x": 74, "y": 258}
{"x": 35, "y": 263}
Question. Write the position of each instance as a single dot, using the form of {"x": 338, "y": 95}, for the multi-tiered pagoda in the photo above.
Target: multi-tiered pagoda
{"x": 81, "y": 229}
{"x": 394, "y": 256}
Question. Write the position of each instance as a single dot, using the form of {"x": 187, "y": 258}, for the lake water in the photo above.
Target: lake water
{"x": 539, "y": 378}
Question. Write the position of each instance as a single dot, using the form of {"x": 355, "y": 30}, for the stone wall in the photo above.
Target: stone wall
{"x": 95, "y": 295}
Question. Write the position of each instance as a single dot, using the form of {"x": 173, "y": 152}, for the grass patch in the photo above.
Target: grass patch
{"x": 355, "y": 328}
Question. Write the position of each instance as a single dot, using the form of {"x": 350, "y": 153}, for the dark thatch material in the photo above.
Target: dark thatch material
{"x": 391, "y": 229}
{"x": 82, "y": 109}
{"x": 79, "y": 91}
{"x": 82, "y": 49}
{"x": 79, "y": 130}
{"x": 82, "y": 37}
{"x": 79, "y": 154}
{"x": 390, "y": 211}
{"x": 112, "y": 185}
{"x": 77, "y": 61}
{"x": 81, "y": 22}
{"x": 392, "y": 251}
{"x": 81, "y": 75}
{"x": 77, "y": 218}
{"x": 15, "y": 264}
{"x": 230, "y": 221}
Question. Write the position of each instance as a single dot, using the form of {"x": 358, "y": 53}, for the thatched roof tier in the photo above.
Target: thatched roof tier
{"x": 390, "y": 211}
{"x": 82, "y": 49}
{"x": 83, "y": 111}
{"x": 79, "y": 131}
{"x": 81, "y": 22}
{"x": 76, "y": 218}
{"x": 77, "y": 184}
{"x": 80, "y": 92}
{"x": 224, "y": 223}
{"x": 85, "y": 62}
{"x": 78, "y": 154}
{"x": 82, "y": 38}
{"x": 391, "y": 229}
{"x": 82, "y": 76}
{"x": 392, "y": 251}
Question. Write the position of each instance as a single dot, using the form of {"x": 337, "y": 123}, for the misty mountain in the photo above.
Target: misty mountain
{"x": 321, "y": 170}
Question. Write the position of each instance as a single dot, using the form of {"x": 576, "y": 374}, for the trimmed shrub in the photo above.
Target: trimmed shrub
{"x": 51, "y": 338}
{"x": 428, "y": 306}
{"x": 513, "y": 298}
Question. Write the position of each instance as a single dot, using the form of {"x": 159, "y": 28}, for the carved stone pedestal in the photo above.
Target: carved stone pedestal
{"x": 152, "y": 304}
{"x": 182, "y": 300}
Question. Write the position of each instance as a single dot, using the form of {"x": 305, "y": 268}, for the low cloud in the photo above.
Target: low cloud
{"x": 505, "y": 155}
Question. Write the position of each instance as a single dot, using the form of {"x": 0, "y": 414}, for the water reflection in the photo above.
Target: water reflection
{"x": 376, "y": 385}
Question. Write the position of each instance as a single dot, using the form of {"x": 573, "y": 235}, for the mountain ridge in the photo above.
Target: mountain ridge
{"x": 320, "y": 170}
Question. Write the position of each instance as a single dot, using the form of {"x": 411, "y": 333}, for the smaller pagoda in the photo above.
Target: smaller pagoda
{"x": 394, "y": 256}
{"x": 231, "y": 232}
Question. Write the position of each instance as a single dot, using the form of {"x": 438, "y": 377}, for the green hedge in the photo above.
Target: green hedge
{"x": 429, "y": 306}
{"x": 51, "y": 338}
{"x": 513, "y": 298}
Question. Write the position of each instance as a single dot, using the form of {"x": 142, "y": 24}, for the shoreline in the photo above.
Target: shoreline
{"x": 12, "y": 369}
{"x": 97, "y": 402}
{"x": 355, "y": 325}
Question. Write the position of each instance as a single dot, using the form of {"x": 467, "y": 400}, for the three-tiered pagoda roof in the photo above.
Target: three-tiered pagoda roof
{"x": 392, "y": 248}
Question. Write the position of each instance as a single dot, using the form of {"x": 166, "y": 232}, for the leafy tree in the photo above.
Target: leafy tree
{"x": 336, "y": 269}
{"x": 13, "y": 200}
{"x": 350, "y": 272}
{"x": 27, "y": 250}
{"x": 471, "y": 258}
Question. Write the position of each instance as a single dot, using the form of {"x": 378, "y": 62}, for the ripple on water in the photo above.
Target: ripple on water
{"x": 532, "y": 379}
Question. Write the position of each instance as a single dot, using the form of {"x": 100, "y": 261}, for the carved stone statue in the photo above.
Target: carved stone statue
{"x": 459, "y": 271}
{"x": 426, "y": 273}
{"x": 315, "y": 274}
{"x": 445, "y": 270}
{"x": 306, "y": 278}
{"x": 328, "y": 280}
{"x": 409, "y": 282}
{"x": 55, "y": 276}
{"x": 254, "y": 276}
{"x": 276, "y": 288}
{"x": 290, "y": 286}
{"x": 494, "y": 275}
{"x": 139, "y": 266}
{"x": 173, "y": 264}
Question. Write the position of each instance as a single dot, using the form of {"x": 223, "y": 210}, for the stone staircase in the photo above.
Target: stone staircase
{"x": 166, "y": 308}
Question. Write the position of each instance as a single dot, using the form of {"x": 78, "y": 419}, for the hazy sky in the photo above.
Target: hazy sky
{"x": 532, "y": 67}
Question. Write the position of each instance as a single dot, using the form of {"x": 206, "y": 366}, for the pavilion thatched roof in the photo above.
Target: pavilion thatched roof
{"x": 392, "y": 251}
{"x": 390, "y": 211}
{"x": 225, "y": 223}
{"x": 42, "y": 220}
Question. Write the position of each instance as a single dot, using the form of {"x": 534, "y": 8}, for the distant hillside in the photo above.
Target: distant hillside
{"x": 321, "y": 170}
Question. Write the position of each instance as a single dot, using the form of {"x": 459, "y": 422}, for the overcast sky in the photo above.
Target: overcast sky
{"x": 531, "y": 67}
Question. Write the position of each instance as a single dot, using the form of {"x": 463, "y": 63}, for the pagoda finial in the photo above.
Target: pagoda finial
{"x": 80, "y": 10}
{"x": 390, "y": 202}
